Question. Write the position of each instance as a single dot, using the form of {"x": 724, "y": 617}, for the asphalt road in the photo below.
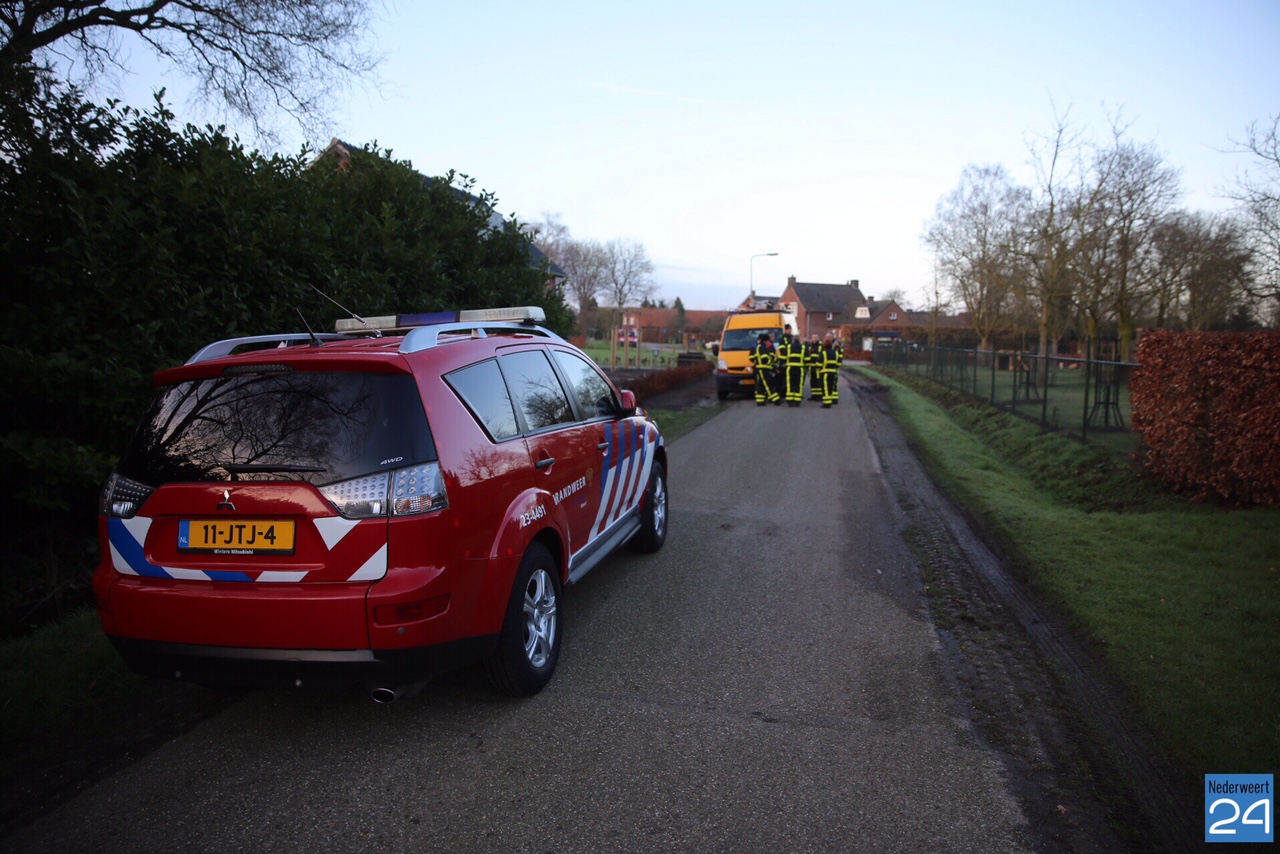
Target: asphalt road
{"x": 769, "y": 681}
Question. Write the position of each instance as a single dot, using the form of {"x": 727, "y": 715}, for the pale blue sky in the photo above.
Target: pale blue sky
{"x": 826, "y": 132}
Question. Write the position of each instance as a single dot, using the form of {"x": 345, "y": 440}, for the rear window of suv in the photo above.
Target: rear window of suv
{"x": 320, "y": 427}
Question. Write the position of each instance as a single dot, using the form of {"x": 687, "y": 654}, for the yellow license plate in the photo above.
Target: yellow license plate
{"x": 236, "y": 537}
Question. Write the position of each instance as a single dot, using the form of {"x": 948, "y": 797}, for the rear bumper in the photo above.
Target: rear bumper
{"x": 300, "y": 668}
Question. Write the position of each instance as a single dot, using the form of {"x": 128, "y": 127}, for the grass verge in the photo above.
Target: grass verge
{"x": 1181, "y": 600}
{"x": 71, "y": 713}
{"x": 674, "y": 423}
{"x": 55, "y": 678}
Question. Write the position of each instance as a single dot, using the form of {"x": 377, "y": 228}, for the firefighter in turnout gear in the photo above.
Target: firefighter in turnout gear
{"x": 791, "y": 358}
{"x": 831, "y": 357}
{"x": 764, "y": 359}
{"x": 813, "y": 363}
{"x": 778, "y": 382}
{"x": 835, "y": 389}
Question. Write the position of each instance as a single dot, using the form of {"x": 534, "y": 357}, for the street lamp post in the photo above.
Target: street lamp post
{"x": 753, "y": 270}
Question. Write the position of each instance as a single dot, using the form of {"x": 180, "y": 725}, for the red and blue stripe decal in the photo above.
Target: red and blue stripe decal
{"x": 625, "y": 471}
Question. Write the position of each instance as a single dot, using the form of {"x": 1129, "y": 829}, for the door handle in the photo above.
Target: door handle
{"x": 545, "y": 463}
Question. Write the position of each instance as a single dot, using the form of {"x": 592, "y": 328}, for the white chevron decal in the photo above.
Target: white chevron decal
{"x": 333, "y": 528}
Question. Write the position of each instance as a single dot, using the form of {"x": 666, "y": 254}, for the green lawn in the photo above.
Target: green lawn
{"x": 1182, "y": 600}
{"x": 602, "y": 353}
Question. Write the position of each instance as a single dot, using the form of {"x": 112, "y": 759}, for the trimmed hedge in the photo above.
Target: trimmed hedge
{"x": 656, "y": 382}
{"x": 1207, "y": 406}
{"x": 127, "y": 242}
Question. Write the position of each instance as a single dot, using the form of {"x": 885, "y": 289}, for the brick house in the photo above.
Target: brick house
{"x": 822, "y": 308}
{"x": 877, "y": 321}
{"x": 658, "y": 325}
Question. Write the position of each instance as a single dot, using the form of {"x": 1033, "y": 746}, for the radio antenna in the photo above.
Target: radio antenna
{"x": 376, "y": 333}
{"x": 315, "y": 340}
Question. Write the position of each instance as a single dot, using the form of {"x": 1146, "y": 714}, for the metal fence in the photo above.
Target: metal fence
{"x": 1088, "y": 398}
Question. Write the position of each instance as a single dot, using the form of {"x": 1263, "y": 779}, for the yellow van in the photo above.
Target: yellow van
{"x": 741, "y": 330}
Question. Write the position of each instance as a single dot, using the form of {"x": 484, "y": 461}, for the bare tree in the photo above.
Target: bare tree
{"x": 1258, "y": 192}
{"x": 1201, "y": 271}
{"x": 1173, "y": 240}
{"x": 1133, "y": 191}
{"x": 972, "y": 236}
{"x": 1065, "y": 195}
{"x": 583, "y": 261}
{"x": 628, "y": 273}
{"x": 937, "y": 303}
{"x": 252, "y": 57}
{"x": 1218, "y": 280}
{"x": 898, "y": 295}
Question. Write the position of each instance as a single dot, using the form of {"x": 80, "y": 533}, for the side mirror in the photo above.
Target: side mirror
{"x": 628, "y": 401}
{"x": 715, "y": 348}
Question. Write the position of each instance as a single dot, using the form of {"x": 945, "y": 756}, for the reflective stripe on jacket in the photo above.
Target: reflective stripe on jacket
{"x": 763, "y": 357}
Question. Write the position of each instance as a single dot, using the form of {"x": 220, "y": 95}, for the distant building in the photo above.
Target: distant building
{"x": 822, "y": 308}
{"x": 860, "y": 321}
{"x": 660, "y": 325}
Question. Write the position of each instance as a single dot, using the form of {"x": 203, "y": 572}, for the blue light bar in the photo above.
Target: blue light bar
{"x": 427, "y": 319}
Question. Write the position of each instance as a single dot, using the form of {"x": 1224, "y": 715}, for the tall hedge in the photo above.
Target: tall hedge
{"x": 129, "y": 242}
{"x": 1207, "y": 407}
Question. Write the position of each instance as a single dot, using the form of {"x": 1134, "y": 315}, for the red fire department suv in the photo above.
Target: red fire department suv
{"x": 338, "y": 509}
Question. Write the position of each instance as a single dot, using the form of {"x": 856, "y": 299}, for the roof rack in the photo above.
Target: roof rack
{"x": 426, "y": 337}
{"x": 421, "y": 331}
{"x": 228, "y": 346}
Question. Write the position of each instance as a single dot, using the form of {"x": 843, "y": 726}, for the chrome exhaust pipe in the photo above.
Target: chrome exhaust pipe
{"x": 390, "y": 693}
{"x": 384, "y": 694}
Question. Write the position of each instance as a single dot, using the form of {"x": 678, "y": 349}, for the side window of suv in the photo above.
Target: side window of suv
{"x": 593, "y": 394}
{"x": 483, "y": 391}
{"x": 537, "y": 390}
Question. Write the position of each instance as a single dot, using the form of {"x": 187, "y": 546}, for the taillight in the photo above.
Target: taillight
{"x": 122, "y": 498}
{"x": 404, "y": 492}
{"x": 361, "y": 497}
{"x": 418, "y": 489}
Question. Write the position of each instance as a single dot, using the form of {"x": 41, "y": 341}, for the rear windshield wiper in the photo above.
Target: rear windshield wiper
{"x": 266, "y": 468}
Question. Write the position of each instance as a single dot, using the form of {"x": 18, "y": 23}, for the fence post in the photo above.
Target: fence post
{"x": 1087, "y": 367}
{"x": 1044, "y": 401}
{"x": 993, "y": 374}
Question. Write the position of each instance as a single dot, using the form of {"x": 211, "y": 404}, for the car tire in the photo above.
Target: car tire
{"x": 529, "y": 645}
{"x": 653, "y": 518}
{"x": 721, "y": 394}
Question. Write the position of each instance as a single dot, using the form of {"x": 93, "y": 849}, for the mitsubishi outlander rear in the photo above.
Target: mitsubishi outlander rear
{"x": 342, "y": 509}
